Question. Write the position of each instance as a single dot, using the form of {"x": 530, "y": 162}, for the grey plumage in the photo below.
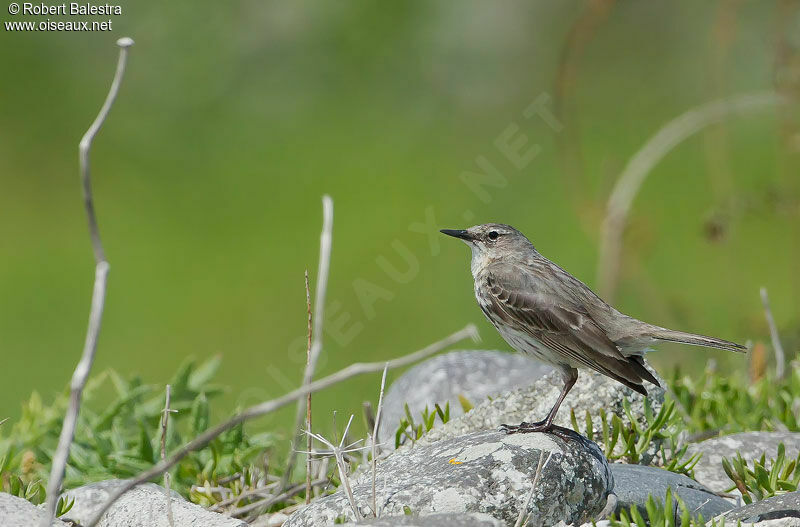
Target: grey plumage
{"x": 542, "y": 310}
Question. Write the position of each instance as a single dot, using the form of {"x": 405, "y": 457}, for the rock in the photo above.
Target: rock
{"x": 474, "y": 374}
{"x": 780, "y": 522}
{"x": 433, "y": 520}
{"x": 143, "y": 506}
{"x": 783, "y": 506}
{"x": 276, "y": 519}
{"x": 633, "y": 484}
{"x": 592, "y": 392}
{"x": 751, "y": 445}
{"x": 18, "y": 512}
{"x": 485, "y": 472}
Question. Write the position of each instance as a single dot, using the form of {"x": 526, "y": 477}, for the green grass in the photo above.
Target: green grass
{"x": 118, "y": 435}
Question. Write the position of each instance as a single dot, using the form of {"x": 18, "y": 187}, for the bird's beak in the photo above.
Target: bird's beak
{"x": 457, "y": 233}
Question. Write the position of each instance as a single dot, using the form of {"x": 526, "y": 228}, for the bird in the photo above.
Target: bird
{"x": 543, "y": 311}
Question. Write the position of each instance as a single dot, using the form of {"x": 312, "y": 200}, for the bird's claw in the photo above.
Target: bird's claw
{"x": 539, "y": 426}
{"x": 525, "y": 428}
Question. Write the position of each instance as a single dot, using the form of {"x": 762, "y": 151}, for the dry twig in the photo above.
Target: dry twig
{"x": 268, "y": 502}
{"x": 524, "y": 516}
{"x": 780, "y": 357}
{"x": 639, "y": 166}
{"x": 81, "y": 373}
{"x": 308, "y": 397}
{"x": 374, "y": 441}
{"x": 325, "y": 243}
{"x": 579, "y": 38}
{"x": 259, "y": 491}
{"x": 338, "y": 452}
{"x": 267, "y": 407}
{"x": 164, "y": 423}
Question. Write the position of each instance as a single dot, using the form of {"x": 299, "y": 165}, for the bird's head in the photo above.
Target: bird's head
{"x": 492, "y": 241}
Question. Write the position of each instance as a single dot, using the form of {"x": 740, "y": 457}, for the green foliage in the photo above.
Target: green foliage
{"x": 733, "y": 404}
{"x": 466, "y": 406}
{"x": 63, "y": 506}
{"x": 630, "y": 443}
{"x": 33, "y": 491}
{"x": 660, "y": 514}
{"x": 763, "y": 480}
{"x": 409, "y": 429}
{"x": 118, "y": 435}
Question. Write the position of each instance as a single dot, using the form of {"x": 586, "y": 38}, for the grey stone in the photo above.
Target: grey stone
{"x": 276, "y": 519}
{"x": 593, "y": 392}
{"x": 783, "y": 506}
{"x": 633, "y": 484}
{"x": 434, "y": 520}
{"x": 18, "y": 512}
{"x": 487, "y": 472}
{"x": 143, "y": 506}
{"x": 780, "y": 522}
{"x": 751, "y": 445}
{"x": 474, "y": 374}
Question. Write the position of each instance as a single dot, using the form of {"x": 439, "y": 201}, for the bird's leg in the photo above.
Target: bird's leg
{"x": 570, "y": 377}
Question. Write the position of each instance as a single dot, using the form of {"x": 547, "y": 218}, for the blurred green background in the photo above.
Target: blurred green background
{"x": 234, "y": 119}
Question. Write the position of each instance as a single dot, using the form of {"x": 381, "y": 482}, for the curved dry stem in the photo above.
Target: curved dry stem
{"x": 86, "y": 144}
{"x": 780, "y": 356}
{"x": 323, "y": 270}
{"x": 308, "y": 397}
{"x": 266, "y": 407}
{"x": 523, "y": 516}
{"x": 373, "y": 441}
{"x": 164, "y": 424}
{"x": 579, "y": 36}
{"x": 325, "y": 245}
{"x": 81, "y": 373}
{"x": 639, "y": 166}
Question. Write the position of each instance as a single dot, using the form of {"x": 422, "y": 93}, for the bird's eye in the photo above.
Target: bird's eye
{"x": 493, "y": 235}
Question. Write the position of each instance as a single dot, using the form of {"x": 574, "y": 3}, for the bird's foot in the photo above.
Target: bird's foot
{"x": 525, "y": 428}
{"x": 539, "y": 426}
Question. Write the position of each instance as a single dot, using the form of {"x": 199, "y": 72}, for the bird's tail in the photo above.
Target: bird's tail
{"x": 695, "y": 340}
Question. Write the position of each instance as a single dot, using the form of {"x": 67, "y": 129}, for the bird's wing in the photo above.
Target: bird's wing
{"x": 542, "y": 307}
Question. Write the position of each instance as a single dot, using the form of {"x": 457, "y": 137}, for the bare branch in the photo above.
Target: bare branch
{"x": 652, "y": 152}
{"x": 259, "y": 491}
{"x": 338, "y": 452}
{"x": 86, "y": 144}
{"x": 308, "y": 397}
{"x": 267, "y": 407}
{"x": 374, "y": 440}
{"x": 523, "y": 517}
{"x": 268, "y": 502}
{"x": 780, "y": 357}
{"x": 81, "y": 373}
{"x": 325, "y": 243}
{"x": 164, "y": 423}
